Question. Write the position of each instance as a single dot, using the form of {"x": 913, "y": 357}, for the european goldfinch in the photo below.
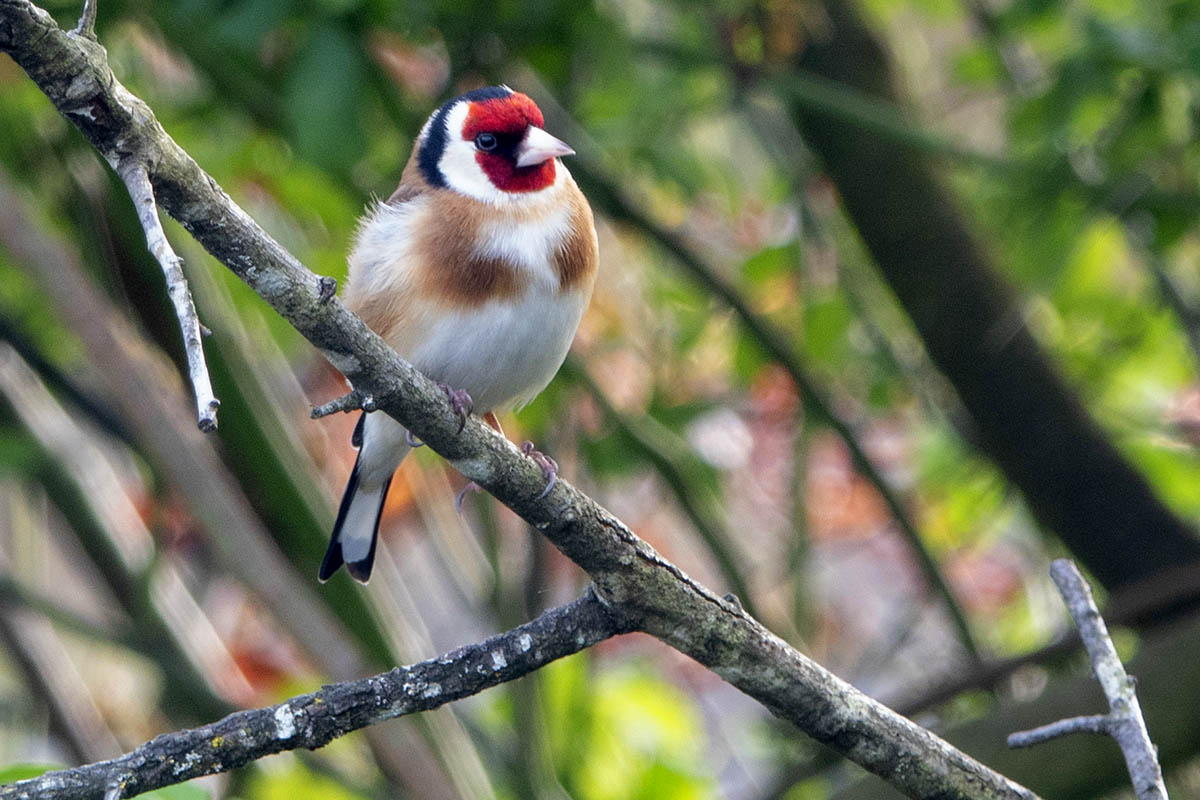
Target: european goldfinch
{"x": 477, "y": 270}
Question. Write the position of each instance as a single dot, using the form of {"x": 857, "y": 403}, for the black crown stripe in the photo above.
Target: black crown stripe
{"x": 435, "y": 142}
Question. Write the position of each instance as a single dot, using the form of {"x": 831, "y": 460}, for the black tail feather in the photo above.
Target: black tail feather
{"x": 359, "y": 570}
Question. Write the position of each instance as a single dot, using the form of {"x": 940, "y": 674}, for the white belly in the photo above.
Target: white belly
{"x": 502, "y": 354}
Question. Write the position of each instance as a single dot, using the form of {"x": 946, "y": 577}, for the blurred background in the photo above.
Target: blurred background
{"x": 897, "y": 302}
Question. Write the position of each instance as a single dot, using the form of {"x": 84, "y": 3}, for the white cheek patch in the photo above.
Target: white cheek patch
{"x": 458, "y": 165}
{"x": 464, "y": 175}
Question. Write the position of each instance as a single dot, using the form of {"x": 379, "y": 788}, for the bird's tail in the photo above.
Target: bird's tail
{"x": 381, "y": 448}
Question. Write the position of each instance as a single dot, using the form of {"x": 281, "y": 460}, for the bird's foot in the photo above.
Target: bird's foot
{"x": 472, "y": 487}
{"x": 413, "y": 441}
{"x": 461, "y": 402}
{"x": 549, "y": 466}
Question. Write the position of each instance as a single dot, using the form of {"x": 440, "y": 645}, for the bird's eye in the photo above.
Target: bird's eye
{"x": 486, "y": 141}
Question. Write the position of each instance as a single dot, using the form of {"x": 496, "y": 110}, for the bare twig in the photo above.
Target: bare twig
{"x": 137, "y": 181}
{"x": 1097, "y": 723}
{"x": 658, "y": 597}
{"x": 1124, "y": 721}
{"x": 87, "y": 20}
{"x": 313, "y": 720}
{"x": 352, "y": 401}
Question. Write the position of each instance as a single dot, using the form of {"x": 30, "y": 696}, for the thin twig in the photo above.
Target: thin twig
{"x": 1097, "y": 723}
{"x": 137, "y": 181}
{"x": 351, "y": 401}
{"x": 1124, "y": 721}
{"x": 313, "y": 720}
{"x": 87, "y": 20}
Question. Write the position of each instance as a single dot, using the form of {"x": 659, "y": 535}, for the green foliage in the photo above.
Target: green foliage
{"x": 618, "y": 733}
{"x": 287, "y": 778}
{"x": 20, "y": 772}
{"x": 182, "y": 791}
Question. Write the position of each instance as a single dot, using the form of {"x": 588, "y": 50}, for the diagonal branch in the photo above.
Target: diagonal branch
{"x": 313, "y": 720}
{"x": 652, "y": 594}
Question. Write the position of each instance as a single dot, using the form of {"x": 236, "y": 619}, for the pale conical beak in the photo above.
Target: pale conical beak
{"x": 539, "y": 146}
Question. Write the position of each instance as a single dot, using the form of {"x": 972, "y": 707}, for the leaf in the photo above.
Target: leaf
{"x": 324, "y": 94}
{"x": 181, "y": 791}
{"x": 771, "y": 262}
{"x": 21, "y": 772}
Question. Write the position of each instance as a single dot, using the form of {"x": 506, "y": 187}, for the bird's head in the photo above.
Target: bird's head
{"x": 489, "y": 144}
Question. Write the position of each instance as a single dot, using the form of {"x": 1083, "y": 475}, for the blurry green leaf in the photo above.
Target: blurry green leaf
{"x": 16, "y": 454}
{"x": 1126, "y": 641}
{"x": 811, "y": 789}
{"x": 244, "y": 24}
{"x": 614, "y": 454}
{"x": 21, "y": 772}
{"x": 977, "y": 65}
{"x": 323, "y": 97}
{"x": 290, "y": 779}
{"x": 180, "y": 791}
{"x": 771, "y": 262}
{"x": 748, "y": 357}
{"x": 624, "y": 734}
{"x": 826, "y": 323}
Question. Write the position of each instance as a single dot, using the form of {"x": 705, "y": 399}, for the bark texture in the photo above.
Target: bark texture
{"x": 313, "y": 720}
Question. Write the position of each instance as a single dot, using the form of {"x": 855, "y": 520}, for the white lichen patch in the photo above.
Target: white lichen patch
{"x": 525, "y": 641}
{"x": 285, "y": 722}
{"x": 432, "y": 690}
{"x": 188, "y": 762}
{"x": 499, "y": 662}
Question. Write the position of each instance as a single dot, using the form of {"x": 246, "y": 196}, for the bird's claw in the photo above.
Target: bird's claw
{"x": 413, "y": 441}
{"x": 471, "y": 486}
{"x": 461, "y": 402}
{"x": 549, "y": 466}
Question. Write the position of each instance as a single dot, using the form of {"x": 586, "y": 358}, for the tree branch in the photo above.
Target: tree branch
{"x": 137, "y": 181}
{"x": 1124, "y": 721}
{"x": 651, "y": 593}
{"x": 313, "y": 720}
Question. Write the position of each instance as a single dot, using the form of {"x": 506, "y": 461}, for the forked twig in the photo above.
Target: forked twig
{"x": 1124, "y": 721}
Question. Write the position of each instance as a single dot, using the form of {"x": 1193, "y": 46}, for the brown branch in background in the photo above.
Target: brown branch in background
{"x": 137, "y": 181}
{"x": 1124, "y": 721}
{"x": 313, "y": 720}
{"x": 1029, "y": 420}
{"x": 650, "y": 592}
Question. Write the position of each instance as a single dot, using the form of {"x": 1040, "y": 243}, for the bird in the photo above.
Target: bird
{"x": 477, "y": 270}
